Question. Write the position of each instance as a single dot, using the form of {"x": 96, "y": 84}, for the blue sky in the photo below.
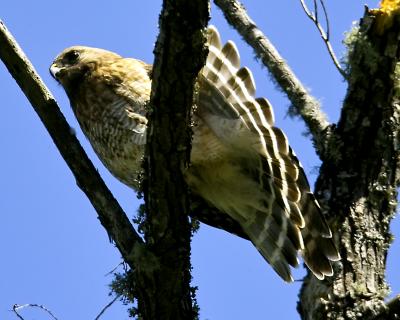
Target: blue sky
{"x": 54, "y": 250}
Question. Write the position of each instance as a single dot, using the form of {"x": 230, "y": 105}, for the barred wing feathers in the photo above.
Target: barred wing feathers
{"x": 282, "y": 218}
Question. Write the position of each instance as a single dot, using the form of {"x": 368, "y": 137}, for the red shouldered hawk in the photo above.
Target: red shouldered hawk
{"x": 241, "y": 164}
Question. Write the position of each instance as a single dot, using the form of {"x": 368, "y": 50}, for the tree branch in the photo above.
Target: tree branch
{"x": 305, "y": 105}
{"x": 88, "y": 179}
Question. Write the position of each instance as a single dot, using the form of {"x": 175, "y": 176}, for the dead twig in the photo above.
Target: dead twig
{"x": 107, "y": 306}
{"x": 17, "y": 307}
{"x": 115, "y": 268}
{"x": 313, "y": 16}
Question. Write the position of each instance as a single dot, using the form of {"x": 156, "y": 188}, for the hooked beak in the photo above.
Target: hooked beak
{"x": 54, "y": 71}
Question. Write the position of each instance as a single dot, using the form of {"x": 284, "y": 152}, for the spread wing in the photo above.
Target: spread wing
{"x": 284, "y": 219}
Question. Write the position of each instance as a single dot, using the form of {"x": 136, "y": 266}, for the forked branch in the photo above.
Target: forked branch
{"x": 324, "y": 34}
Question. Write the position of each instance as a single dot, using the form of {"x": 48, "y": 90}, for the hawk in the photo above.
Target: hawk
{"x": 241, "y": 164}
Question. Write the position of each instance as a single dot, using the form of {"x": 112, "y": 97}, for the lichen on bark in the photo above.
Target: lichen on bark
{"x": 358, "y": 181}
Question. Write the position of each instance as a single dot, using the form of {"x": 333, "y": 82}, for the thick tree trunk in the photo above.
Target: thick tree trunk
{"x": 163, "y": 280}
{"x": 358, "y": 178}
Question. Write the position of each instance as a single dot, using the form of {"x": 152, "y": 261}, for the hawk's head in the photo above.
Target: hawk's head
{"x": 72, "y": 65}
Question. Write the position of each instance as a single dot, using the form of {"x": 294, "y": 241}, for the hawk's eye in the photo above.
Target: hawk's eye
{"x": 71, "y": 56}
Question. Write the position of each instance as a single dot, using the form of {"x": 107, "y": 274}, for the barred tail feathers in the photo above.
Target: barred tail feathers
{"x": 289, "y": 220}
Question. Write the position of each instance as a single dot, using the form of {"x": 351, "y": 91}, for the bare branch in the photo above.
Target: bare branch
{"x": 326, "y": 18}
{"x": 17, "y": 307}
{"x": 15, "y": 310}
{"x": 111, "y": 215}
{"x": 315, "y": 8}
{"x": 107, "y": 306}
{"x": 324, "y": 35}
{"x": 305, "y": 105}
{"x": 115, "y": 268}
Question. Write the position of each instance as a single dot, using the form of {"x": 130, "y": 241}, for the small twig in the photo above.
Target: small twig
{"x": 115, "y": 268}
{"x": 16, "y": 307}
{"x": 107, "y": 306}
{"x": 326, "y": 18}
{"x": 324, "y": 35}
{"x": 305, "y": 105}
{"x": 316, "y": 9}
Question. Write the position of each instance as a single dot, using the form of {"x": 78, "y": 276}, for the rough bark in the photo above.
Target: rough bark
{"x": 358, "y": 182}
{"x": 163, "y": 283}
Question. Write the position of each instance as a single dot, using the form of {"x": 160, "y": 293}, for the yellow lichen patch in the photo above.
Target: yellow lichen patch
{"x": 385, "y": 14}
{"x": 389, "y": 5}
